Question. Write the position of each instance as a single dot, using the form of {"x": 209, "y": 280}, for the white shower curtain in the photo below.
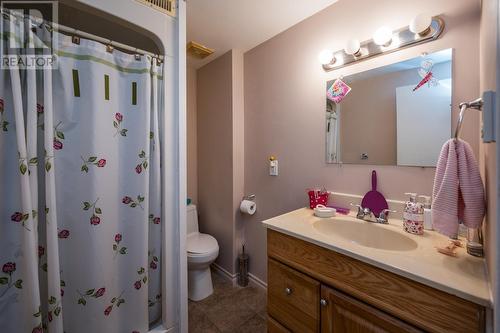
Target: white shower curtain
{"x": 80, "y": 196}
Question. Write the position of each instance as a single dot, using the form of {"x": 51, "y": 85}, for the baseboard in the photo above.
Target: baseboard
{"x": 225, "y": 274}
{"x": 256, "y": 282}
{"x": 233, "y": 278}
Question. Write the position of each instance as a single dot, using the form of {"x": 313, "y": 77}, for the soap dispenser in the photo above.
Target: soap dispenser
{"x": 427, "y": 212}
{"x": 413, "y": 216}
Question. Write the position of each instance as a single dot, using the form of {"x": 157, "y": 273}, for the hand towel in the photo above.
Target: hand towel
{"x": 458, "y": 190}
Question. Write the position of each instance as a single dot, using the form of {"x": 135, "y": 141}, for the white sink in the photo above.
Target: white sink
{"x": 366, "y": 234}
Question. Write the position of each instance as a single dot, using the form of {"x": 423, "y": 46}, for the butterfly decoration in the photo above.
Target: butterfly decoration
{"x": 425, "y": 72}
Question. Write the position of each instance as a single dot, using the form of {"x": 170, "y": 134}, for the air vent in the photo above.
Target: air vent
{"x": 198, "y": 51}
{"x": 165, "y": 6}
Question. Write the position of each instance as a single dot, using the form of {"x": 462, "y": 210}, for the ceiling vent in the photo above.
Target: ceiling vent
{"x": 165, "y": 6}
{"x": 198, "y": 51}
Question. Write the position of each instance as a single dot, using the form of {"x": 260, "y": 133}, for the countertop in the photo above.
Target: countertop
{"x": 463, "y": 276}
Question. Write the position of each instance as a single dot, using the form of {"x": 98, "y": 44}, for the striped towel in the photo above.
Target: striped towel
{"x": 458, "y": 190}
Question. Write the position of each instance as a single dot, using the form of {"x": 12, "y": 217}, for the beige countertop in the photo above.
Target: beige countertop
{"x": 463, "y": 276}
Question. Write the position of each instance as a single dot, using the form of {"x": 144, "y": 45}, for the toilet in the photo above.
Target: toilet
{"x": 202, "y": 250}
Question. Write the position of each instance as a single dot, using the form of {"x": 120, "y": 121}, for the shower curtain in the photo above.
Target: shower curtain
{"x": 80, "y": 196}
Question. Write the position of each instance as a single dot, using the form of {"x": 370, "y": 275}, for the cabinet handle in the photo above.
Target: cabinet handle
{"x": 288, "y": 291}
{"x": 323, "y": 302}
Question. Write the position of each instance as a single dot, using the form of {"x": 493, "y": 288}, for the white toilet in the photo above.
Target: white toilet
{"x": 202, "y": 250}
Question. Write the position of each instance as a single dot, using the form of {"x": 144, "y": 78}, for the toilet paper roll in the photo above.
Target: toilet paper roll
{"x": 248, "y": 207}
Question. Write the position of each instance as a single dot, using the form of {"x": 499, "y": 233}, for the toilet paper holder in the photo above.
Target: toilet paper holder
{"x": 250, "y": 197}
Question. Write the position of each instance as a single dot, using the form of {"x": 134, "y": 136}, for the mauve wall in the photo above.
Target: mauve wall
{"x": 192, "y": 172}
{"x": 285, "y": 105}
{"x": 215, "y": 155}
{"x": 489, "y": 73}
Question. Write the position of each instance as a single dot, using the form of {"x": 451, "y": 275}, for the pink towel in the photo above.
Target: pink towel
{"x": 458, "y": 190}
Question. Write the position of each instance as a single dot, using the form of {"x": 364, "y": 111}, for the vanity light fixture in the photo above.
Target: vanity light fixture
{"x": 422, "y": 29}
{"x": 383, "y": 36}
{"x": 353, "y": 47}
{"x": 421, "y": 24}
{"x": 326, "y": 57}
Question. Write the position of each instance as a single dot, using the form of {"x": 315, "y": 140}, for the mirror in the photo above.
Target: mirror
{"x": 399, "y": 114}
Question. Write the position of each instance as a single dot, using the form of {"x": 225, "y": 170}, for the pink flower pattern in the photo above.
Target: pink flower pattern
{"x": 92, "y": 160}
{"x": 96, "y": 211}
{"x": 9, "y": 268}
{"x": 133, "y": 203}
{"x": 63, "y": 234}
{"x": 153, "y": 219}
{"x": 21, "y": 218}
{"x": 3, "y": 123}
{"x": 116, "y": 246}
{"x": 115, "y": 301}
{"x": 117, "y": 124}
{"x": 7, "y": 280}
{"x": 143, "y": 163}
{"x": 58, "y": 137}
{"x": 142, "y": 278}
{"x": 90, "y": 293}
{"x": 153, "y": 260}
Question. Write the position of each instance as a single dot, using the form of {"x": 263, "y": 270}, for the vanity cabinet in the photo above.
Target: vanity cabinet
{"x": 314, "y": 289}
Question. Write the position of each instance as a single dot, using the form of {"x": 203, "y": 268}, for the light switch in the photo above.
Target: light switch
{"x": 273, "y": 166}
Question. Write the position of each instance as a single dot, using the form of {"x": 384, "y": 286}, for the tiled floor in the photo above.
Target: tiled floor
{"x": 229, "y": 309}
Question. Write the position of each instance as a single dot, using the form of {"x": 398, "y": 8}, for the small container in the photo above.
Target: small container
{"x": 324, "y": 212}
{"x": 475, "y": 242}
{"x": 427, "y": 212}
{"x": 413, "y": 216}
{"x": 317, "y": 197}
{"x": 243, "y": 268}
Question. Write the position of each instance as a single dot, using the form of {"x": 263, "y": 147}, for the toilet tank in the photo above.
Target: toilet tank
{"x": 192, "y": 219}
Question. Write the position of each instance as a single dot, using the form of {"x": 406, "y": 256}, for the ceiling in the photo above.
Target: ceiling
{"x": 241, "y": 24}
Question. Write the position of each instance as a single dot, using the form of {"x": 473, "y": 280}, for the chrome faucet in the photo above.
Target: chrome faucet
{"x": 366, "y": 214}
{"x": 382, "y": 217}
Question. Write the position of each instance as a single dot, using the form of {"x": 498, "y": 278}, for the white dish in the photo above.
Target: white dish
{"x": 324, "y": 212}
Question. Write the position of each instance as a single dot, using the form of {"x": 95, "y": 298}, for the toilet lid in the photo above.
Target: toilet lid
{"x": 201, "y": 243}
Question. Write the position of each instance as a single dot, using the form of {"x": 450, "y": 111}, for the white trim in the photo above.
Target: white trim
{"x": 256, "y": 282}
{"x": 224, "y": 273}
{"x": 181, "y": 133}
{"x": 253, "y": 280}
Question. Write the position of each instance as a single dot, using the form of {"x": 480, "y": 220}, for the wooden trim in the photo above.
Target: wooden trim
{"x": 425, "y": 307}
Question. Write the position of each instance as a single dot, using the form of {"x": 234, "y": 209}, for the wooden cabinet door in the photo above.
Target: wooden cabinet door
{"x": 293, "y": 298}
{"x": 341, "y": 313}
{"x": 274, "y": 327}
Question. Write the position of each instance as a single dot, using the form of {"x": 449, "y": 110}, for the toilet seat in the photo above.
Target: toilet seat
{"x": 199, "y": 244}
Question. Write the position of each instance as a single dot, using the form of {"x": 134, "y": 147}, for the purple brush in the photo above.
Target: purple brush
{"x": 374, "y": 199}
{"x": 340, "y": 210}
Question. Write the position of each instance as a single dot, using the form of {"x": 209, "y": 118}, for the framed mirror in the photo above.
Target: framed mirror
{"x": 398, "y": 114}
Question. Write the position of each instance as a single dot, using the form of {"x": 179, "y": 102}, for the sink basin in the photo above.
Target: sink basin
{"x": 366, "y": 234}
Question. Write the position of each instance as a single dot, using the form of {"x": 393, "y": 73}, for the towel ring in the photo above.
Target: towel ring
{"x": 476, "y": 104}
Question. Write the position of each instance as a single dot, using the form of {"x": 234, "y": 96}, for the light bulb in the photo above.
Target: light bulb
{"x": 325, "y": 57}
{"x": 352, "y": 47}
{"x": 421, "y": 24}
{"x": 382, "y": 36}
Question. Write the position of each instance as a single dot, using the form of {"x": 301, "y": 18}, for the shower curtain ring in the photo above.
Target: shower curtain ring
{"x": 137, "y": 55}
{"x": 109, "y": 47}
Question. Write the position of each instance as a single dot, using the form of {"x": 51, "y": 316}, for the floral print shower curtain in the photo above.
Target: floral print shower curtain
{"x": 80, "y": 196}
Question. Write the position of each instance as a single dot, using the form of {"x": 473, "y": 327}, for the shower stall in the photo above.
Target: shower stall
{"x": 92, "y": 172}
